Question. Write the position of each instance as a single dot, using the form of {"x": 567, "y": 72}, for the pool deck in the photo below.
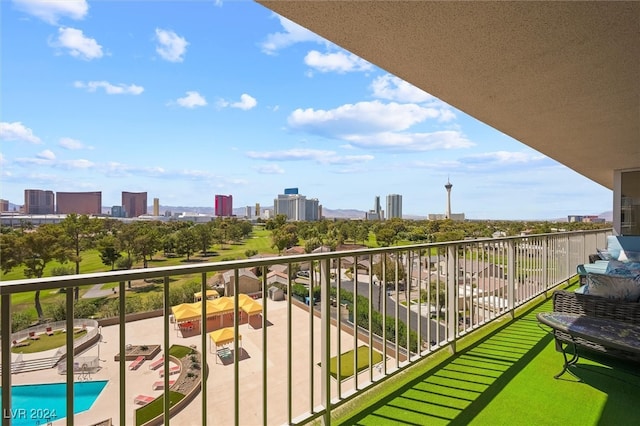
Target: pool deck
{"x": 220, "y": 383}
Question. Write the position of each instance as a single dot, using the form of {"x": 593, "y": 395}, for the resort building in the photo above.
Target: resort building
{"x": 79, "y": 202}
{"x": 394, "y": 206}
{"x": 134, "y": 203}
{"x": 376, "y": 213}
{"x": 297, "y": 207}
{"x": 224, "y": 205}
{"x": 37, "y": 201}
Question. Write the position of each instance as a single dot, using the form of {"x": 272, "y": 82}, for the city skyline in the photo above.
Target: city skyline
{"x": 204, "y": 98}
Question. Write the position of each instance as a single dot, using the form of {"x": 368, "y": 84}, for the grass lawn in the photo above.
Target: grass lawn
{"x": 155, "y": 407}
{"x": 45, "y": 342}
{"x": 180, "y": 351}
{"x": 346, "y": 362}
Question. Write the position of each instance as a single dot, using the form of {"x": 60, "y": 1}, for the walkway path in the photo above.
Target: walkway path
{"x": 96, "y": 291}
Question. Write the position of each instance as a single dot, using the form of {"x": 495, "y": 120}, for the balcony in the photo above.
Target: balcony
{"x": 279, "y": 365}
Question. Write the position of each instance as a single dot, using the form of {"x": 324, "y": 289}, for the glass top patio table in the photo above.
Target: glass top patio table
{"x": 615, "y": 334}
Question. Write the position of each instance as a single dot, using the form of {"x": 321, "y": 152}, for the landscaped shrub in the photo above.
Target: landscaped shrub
{"x": 153, "y": 301}
{"x": 59, "y": 271}
{"x": 84, "y": 308}
{"x": 57, "y": 311}
{"x": 20, "y": 320}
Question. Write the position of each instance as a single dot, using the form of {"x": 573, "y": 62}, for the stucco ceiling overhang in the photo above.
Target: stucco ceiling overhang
{"x": 560, "y": 77}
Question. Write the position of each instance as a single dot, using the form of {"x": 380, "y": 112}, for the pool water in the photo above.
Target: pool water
{"x": 37, "y": 404}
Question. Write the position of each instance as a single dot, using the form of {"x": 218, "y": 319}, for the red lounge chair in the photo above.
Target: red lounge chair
{"x": 159, "y": 385}
{"x": 172, "y": 370}
{"x": 135, "y": 364}
{"x": 143, "y": 399}
{"x": 49, "y": 331}
{"x": 33, "y": 336}
{"x": 156, "y": 364}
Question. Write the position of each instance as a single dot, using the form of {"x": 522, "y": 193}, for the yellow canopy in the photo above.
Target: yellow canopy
{"x": 186, "y": 312}
{"x": 223, "y": 336}
{"x": 210, "y": 293}
{"x": 221, "y": 305}
{"x": 248, "y": 305}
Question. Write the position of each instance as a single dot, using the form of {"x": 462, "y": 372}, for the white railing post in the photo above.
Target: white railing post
{"x": 70, "y": 353}
{"x": 325, "y": 339}
{"x": 511, "y": 276}
{"x": 5, "y": 333}
{"x": 452, "y": 297}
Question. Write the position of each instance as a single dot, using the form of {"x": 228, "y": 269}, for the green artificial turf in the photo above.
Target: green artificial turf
{"x": 156, "y": 407}
{"x": 507, "y": 379}
{"x": 180, "y": 351}
{"x": 346, "y": 362}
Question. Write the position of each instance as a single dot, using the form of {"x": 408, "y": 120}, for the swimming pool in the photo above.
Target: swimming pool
{"x": 35, "y": 404}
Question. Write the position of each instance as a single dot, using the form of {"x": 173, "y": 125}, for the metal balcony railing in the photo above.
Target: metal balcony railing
{"x": 285, "y": 369}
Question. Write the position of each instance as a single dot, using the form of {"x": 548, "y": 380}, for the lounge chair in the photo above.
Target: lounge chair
{"x": 136, "y": 363}
{"x": 49, "y": 331}
{"x": 156, "y": 364}
{"x": 33, "y": 335}
{"x": 159, "y": 385}
{"x": 143, "y": 399}
{"x": 173, "y": 370}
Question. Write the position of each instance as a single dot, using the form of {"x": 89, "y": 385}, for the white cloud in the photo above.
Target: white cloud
{"x": 71, "y": 144}
{"x": 76, "y": 164}
{"x": 171, "y": 46}
{"x": 16, "y": 131}
{"x": 413, "y": 142}
{"x": 47, "y": 154}
{"x": 502, "y": 158}
{"x": 361, "y": 118}
{"x": 336, "y": 62}
{"x": 51, "y": 11}
{"x": 270, "y": 169}
{"x": 192, "y": 100}
{"x": 245, "y": 103}
{"x": 320, "y": 156}
{"x": 115, "y": 169}
{"x": 77, "y": 44}
{"x": 293, "y": 33}
{"x": 392, "y": 88}
{"x": 110, "y": 89}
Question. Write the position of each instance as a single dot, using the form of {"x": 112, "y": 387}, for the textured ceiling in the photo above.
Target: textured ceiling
{"x": 560, "y": 77}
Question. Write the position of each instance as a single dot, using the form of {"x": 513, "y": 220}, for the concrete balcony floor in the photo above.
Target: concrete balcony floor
{"x": 506, "y": 378}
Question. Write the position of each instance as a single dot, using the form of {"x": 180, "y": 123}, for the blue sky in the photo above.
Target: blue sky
{"x": 190, "y": 99}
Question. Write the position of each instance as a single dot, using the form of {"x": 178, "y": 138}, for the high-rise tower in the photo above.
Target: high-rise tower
{"x": 448, "y": 187}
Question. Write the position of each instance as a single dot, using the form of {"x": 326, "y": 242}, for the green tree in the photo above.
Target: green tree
{"x": 284, "y": 237}
{"x": 79, "y": 231}
{"x": 109, "y": 253}
{"x": 146, "y": 241}
{"x": 36, "y": 250}
{"x": 204, "y": 234}
{"x": 9, "y": 251}
{"x": 186, "y": 242}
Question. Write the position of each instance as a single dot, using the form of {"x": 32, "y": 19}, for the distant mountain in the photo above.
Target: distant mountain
{"x": 607, "y": 216}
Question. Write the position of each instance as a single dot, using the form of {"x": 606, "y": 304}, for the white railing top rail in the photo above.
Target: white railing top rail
{"x": 68, "y": 281}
